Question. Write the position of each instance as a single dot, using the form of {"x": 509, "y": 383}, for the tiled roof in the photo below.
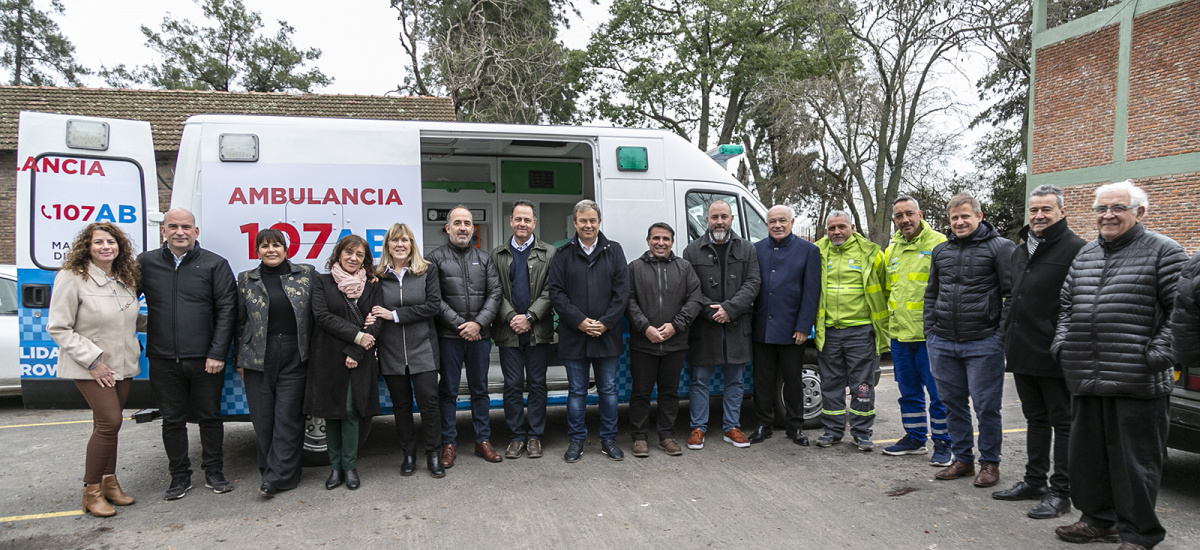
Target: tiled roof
{"x": 167, "y": 109}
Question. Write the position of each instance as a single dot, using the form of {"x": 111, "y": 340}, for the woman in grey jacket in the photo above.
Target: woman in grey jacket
{"x": 274, "y": 321}
{"x": 408, "y": 349}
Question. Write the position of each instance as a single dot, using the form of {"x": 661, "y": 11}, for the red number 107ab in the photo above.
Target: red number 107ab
{"x": 323, "y": 230}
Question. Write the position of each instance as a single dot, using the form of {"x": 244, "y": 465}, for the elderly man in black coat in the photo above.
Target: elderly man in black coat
{"x": 589, "y": 288}
{"x": 1038, "y": 269}
{"x": 1114, "y": 344}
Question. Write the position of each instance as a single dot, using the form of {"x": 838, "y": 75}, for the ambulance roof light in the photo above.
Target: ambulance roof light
{"x": 238, "y": 148}
{"x": 87, "y": 134}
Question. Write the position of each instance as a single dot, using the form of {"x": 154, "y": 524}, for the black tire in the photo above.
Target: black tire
{"x": 811, "y": 406}
{"x": 315, "y": 452}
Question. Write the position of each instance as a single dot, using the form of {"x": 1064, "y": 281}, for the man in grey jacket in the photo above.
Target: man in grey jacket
{"x": 727, "y": 266}
{"x": 664, "y": 298}
{"x": 1113, "y": 341}
{"x": 470, "y": 302}
{"x": 524, "y": 329}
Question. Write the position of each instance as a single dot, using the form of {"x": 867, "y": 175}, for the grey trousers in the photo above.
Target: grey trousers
{"x": 848, "y": 359}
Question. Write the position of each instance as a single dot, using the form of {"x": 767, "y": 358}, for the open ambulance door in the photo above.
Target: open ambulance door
{"x": 73, "y": 171}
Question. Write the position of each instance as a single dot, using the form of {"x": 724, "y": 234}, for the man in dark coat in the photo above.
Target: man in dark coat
{"x": 663, "y": 300}
{"x": 727, "y": 266}
{"x": 784, "y": 311}
{"x": 969, "y": 282}
{"x": 191, "y": 300}
{"x": 589, "y": 288}
{"x": 470, "y": 302}
{"x": 1113, "y": 341}
{"x": 1039, "y": 266}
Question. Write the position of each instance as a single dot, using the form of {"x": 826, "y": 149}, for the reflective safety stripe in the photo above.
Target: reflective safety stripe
{"x": 895, "y": 277}
{"x": 913, "y": 424}
{"x": 918, "y": 276}
{"x": 880, "y": 315}
{"x": 828, "y": 412}
{"x": 913, "y": 415}
{"x": 874, "y": 288}
{"x": 914, "y": 305}
{"x": 861, "y": 413}
{"x": 937, "y": 431}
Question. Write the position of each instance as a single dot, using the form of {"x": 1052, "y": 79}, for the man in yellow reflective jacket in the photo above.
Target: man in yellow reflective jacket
{"x": 908, "y": 257}
{"x": 851, "y": 330}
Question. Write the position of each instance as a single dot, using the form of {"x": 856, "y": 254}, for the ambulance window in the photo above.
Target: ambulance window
{"x": 756, "y": 226}
{"x": 8, "y": 297}
{"x": 696, "y": 210}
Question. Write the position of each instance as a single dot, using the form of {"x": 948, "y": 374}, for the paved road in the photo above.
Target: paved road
{"x": 771, "y": 495}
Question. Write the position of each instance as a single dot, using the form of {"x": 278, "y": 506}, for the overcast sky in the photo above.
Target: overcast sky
{"x": 358, "y": 38}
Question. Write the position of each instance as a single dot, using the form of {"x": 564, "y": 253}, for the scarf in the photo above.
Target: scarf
{"x": 351, "y": 284}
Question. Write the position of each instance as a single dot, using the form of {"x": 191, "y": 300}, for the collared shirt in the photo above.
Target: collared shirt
{"x": 588, "y": 249}
{"x": 179, "y": 259}
{"x": 522, "y": 247}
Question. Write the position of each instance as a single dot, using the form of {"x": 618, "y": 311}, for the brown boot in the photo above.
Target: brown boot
{"x": 112, "y": 491}
{"x": 94, "y": 503}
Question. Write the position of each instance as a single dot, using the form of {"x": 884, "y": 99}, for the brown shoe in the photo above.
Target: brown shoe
{"x": 670, "y": 447}
{"x": 515, "y": 448}
{"x": 94, "y": 503}
{"x": 696, "y": 440}
{"x": 112, "y": 491}
{"x": 485, "y": 451}
{"x": 989, "y": 474}
{"x": 956, "y": 470}
{"x": 736, "y": 438}
{"x": 1126, "y": 545}
{"x": 533, "y": 448}
{"x": 1080, "y": 532}
{"x": 449, "y": 452}
{"x": 641, "y": 449}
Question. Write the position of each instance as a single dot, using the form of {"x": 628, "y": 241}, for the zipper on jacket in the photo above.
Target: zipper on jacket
{"x": 403, "y": 330}
{"x": 662, "y": 287}
{"x": 174, "y": 307}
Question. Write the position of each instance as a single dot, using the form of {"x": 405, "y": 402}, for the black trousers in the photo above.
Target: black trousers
{"x": 1046, "y": 404}
{"x": 769, "y": 360}
{"x": 1116, "y": 463}
{"x": 423, "y": 385}
{"x": 185, "y": 392}
{"x": 649, "y": 370}
{"x": 276, "y": 398}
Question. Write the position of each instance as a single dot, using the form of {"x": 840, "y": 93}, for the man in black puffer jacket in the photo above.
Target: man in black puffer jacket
{"x": 470, "y": 301}
{"x": 969, "y": 282}
{"x": 1114, "y": 344}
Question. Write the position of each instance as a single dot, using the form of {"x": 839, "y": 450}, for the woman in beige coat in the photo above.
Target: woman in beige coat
{"x": 94, "y": 320}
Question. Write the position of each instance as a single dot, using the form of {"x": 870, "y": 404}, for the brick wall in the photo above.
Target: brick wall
{"x": 1163, "y": 87}
{"x": 1074, "y": 102}
{"x": 1174, "y": 208}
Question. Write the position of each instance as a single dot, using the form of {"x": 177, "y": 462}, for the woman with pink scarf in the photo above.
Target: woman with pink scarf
{"x": 343, "y": 371}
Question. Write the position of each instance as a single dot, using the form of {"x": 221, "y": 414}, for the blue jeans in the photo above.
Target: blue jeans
{"x": 454, "y": 352}
{"x": 731, "y": 400}
{"x": 968, "y": 373}
{"x": 911, "y": 367}
{"x": 524, "y": 366}
{"x": 577, "y": 386}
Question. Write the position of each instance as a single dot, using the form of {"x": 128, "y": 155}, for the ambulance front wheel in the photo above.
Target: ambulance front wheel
{"x": 315, "y": 452}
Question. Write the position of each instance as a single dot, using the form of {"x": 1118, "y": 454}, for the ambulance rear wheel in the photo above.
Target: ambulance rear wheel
{"x": 315, "y": 452}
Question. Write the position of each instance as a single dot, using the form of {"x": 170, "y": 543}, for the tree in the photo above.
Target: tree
{"x": 688, "y": 66}
{"x": 223, "y": 57}
{"x": 498, "y": 60}
{"x": 34, "y": 48}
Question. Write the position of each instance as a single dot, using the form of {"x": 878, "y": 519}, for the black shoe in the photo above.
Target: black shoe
{"x": 1051, "y": 506}
{"x": 1021, "y": 491}
{"x": 352, "y": 479}
{"x": 610, "y": 448}
{"x": 217, "y": 482}
{"x": 434, "y": 464}
{"x": 574, "y": 451}
{"x": 760, "y": 434}
{"x": 409, "y": 466}
{"x": 800, "y": 439}
{"x": 180, "y": 485}
{"x": 335, "y": 479}
{"x": 267, "y": 490}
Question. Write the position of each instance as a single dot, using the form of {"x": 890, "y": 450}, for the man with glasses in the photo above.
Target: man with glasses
{"x": 1039, "y": 267}
{"x": 1113, "y": 341}
{"x": 727, "y": 266}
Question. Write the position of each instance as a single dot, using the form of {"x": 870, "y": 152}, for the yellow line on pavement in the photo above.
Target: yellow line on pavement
{"x": 1012, "y": 431}
{"x": 42, "y": 516}
{"x": 50, "y": 424}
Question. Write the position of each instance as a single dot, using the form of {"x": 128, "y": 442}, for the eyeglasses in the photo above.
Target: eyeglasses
{"x": 1116, "y": 209}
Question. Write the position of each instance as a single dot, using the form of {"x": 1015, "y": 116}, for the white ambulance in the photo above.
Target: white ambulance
{"x": 318, "y": 179}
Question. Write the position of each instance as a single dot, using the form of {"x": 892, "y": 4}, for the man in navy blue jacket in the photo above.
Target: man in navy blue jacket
{"x": 783, "y": 318}
{"x": 589, "y": 288}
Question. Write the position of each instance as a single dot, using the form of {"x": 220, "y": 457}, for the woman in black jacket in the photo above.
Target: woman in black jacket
{"x": 412, "y": 297}
{"x": 274, "y": 322}
{"x": 343, "y": 370}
